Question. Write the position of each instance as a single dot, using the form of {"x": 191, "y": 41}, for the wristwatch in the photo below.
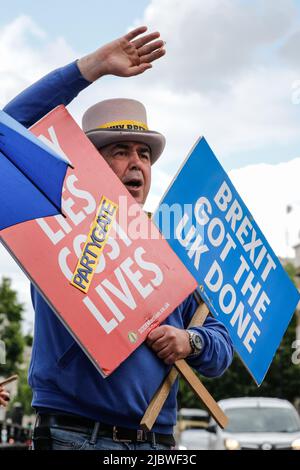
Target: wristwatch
{"x": 196, "y": 342}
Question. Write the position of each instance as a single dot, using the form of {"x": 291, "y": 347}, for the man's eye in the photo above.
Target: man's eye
{"x": 145, "y": 156}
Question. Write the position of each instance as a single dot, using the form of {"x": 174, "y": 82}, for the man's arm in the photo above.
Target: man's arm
{"x": 60, "y": 86}
{"x": 127, "y": 56}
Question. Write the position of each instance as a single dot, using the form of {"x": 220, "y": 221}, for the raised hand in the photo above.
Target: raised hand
{"x": 125, "y": 57}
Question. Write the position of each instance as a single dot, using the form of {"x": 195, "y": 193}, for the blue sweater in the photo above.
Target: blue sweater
{"x": 60, "y": 374}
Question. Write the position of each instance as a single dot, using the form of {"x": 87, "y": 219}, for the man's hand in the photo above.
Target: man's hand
{"x": 4, "y": 397}
{"x": 169, "y": 343}
{"x": 123, "y": 57}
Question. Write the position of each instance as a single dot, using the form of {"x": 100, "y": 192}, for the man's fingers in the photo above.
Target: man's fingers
{"x": 146, "y": 62}
{"x": 153, "y": 56}
{"x": 171, "y": 359}
{"x": 5, "y": 396}
{"x": 140, "y": 42}
{"x": 148, "y": 48}
{"x": 137, "y": 69}
{"x": 164, "y": 353}
{"x": 159, "y": 344}
{"x": 3, "y": 402}
{"x": 135, "y": 32}
{"x": 157, "y": 333}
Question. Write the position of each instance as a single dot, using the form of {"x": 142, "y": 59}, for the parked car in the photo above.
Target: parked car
{"x": 256, "y": 423}
{"x": 192, "y": 418}
{"x": 193, "y": 439}
{"x": 191, "y": 429}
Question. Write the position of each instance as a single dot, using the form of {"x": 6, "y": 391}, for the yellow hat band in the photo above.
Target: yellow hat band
{"x": 127, "y": 125}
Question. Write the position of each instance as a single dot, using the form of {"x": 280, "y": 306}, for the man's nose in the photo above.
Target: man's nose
{"x": 134, "y": 159}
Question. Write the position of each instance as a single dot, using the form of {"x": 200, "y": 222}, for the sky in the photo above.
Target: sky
{"x": 231, "y": 73}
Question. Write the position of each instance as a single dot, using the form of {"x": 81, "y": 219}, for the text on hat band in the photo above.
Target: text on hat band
{"x": 128, "y": 125}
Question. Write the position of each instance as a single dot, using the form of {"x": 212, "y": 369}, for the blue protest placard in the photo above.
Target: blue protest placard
{"x": 240, "y": 278}
{"x": 32, "y": 175}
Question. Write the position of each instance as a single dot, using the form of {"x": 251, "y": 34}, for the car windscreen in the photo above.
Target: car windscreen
{"x": 262, "y": 419}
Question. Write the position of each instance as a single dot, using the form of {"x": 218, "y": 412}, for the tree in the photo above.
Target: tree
{"x": 24, "y": 395}
{"x": 15, "y": 342}
{"x": 11, "y": 328}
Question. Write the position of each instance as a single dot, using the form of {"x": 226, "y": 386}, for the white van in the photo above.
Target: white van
{"x": 256, "y": 423}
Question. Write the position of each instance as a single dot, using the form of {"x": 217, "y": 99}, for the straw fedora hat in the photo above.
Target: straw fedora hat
{"x": 121, "y": 120}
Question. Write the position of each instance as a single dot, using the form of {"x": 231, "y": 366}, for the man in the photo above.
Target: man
{"x": 77, "y": 408}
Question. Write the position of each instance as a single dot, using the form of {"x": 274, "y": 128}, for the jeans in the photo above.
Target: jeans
{"x": 62, "y": 439}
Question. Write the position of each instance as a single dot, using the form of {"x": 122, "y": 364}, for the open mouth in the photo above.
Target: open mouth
{"x": 134, "y": 184}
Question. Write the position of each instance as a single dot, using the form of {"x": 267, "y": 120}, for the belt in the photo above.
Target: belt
{"x": 88, "y": 426}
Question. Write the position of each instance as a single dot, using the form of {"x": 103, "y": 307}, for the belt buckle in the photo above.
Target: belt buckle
{"x": 115, "y": 437}
{"x": 140, "y": 436}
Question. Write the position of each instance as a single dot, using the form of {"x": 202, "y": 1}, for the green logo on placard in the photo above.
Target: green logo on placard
{"x": 132, "y": 336}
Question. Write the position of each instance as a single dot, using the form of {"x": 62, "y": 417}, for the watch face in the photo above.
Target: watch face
{"x": 197, "y": 342}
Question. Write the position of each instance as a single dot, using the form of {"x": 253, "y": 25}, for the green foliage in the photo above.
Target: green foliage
{"x": 28, "y": 340}
{"x": 15, "y": 342}
{"x": 11, "y": 328}
{"x": 291, "y": 271}
{"x": 24, "y": 395}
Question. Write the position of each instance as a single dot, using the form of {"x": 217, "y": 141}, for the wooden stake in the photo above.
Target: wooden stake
{"x": 163, "y": 391}
{"x": 198, "y": 387}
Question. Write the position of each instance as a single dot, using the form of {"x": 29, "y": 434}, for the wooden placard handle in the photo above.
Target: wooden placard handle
{"x": 204, "y": 395}
{"x": 163, "y": 391}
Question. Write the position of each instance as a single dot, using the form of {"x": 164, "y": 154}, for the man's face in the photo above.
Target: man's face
{"x": 131, "y": 162}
